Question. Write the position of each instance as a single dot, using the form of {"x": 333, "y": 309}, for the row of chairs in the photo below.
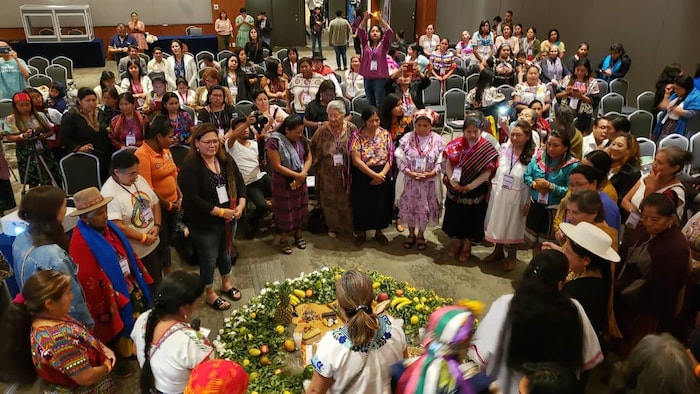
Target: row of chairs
{"x": 40, "y": 64}
{"x": 647, "y": 148}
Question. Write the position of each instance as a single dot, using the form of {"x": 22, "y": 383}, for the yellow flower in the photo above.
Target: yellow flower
{"x": 477, "y": 307}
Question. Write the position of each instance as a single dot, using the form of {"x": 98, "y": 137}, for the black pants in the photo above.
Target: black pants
{"x": 258, "y": 192}
{"x": 167, "y": 230}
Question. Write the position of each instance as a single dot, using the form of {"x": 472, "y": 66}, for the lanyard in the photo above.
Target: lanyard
{"x": 513, "y": 160}
{"x": 428, "y": 145}
{"x": 216, "y": 171}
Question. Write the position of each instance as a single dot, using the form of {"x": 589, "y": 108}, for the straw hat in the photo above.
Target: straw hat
{"x": 88, "y": 200}
{"x": 591, "y": 238}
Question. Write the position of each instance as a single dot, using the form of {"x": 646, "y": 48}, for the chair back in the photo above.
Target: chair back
{"x": 190, "y": 111}
{"x": 75, "y": 32}
{"x": 39, "y": 80}
{"x": 359, "y": 104}
{"x": 458, "y": 61}
{"x": 58, "y": 73}
{"x": 431, "y": 95}
{"x": 603, "y": 86}
{"x": 282, "y": 53}
{"x": 39, "y": 62}
{"x": 65, "y": 62}
{"x": 179, "y": 153}
{"x": 647, "y": 147}
{"x": 455, "y": 101}
{"x": 674, "y": 140}
{"x": 641, "y": 123}
{"x": 507, "y": 91}
{"x": 645, "y": 101}
{"x": 80, "y": 171}
{"x": 471, "y": 81}
{"x": 145, "y": 57}
{"x": 693, "y": 125}
{"x": 131, "y": 149}
{"x": 223, "y": 54}
{"x": 611, "y": 102}
{"x": 5, "y": 108}
{"x": 356, "y": 119}
{"x": 620, "y": 86}
{"x": 348, "y": 103}
{"x": 201, "y": 54}
{"x": 695, "y": 149}
{"x": 454, "y": 81}
{"x": 400, "y": 57}
{"x": 266, "y": 53}
{"x": 245, "y": 107}
{"x": 32, "y": 70}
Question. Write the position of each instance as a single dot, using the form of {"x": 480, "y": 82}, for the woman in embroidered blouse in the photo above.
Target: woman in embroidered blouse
{"x": 41, "y": 340}
{"x": 504, "y": 66}
{"x": 180, "y": 120}
{"x": 418, "y": 158}
{"x": 552, "y": 41}
{"x": 183, "y": 92}
{"x": 84, "y": 129}
{"x": 373, "y": 68}
{"x": 354, "y": 82}
{"x": 580, "y": 92}
{"x": 329, "y": 146}
{"x": 393, "y": 118}
{"x": 372, "y": 153}
{"x": 213, "y": 199}
{"x": 303, "y": 87}
{"x": 29, "y": 129}
{"x": 181, "y": 65}
{"x": 167, "y": 347}
{"x": 289, "y": 155}
{"x": 275, "y": 83}
{"x": 505, "y": 215}
{"x": 483, "y": 94}
{"x": 664, "y": 177}
{"x": 508, "y": 38}
{"x": 128, "y": 127}
{"x": 44, "y": 245}
{"x": 532, "y": 89}
{"x": 469, "y": 162}
{"x": 443, "y": 62}
{"x": 483, "y": 43}
{"x": 530, "y": 44}
{"x": 547, "y": 176}
{"x": 274, "y": 113}
{"x": 654, "y": 270}
{"x": 136, "y": 82}
{"x": 410, "y": 87}
{"x": 356, "y": 357}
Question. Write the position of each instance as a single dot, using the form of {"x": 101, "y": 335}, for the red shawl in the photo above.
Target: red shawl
{"x": 472, "y": 160}
{"x": 103, "y": 301}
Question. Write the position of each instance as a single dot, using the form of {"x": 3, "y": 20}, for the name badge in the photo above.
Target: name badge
{"x": 633, "y": 219}
{"x": 124, "y": 265}
{"x": 130, "y": 139}
{"x": 222, "y": 194}
{"x": 543, "y": 198}
{"x": 350, "y": 90}
{"x": 147, "y": 214}
{"x": 457, "y": 174}
{"x": 234, "y": 90}
{"x": 221, "y": 132}
{"x": 508, "y": 181}
{"x": 38, "y": 145}
{"x": 305, "y": 98}
{"x": 573, "y": 102}
{"x": 373, "y": 65}
{"x": 337, "y": 159}
{"x": 420, "y": 165}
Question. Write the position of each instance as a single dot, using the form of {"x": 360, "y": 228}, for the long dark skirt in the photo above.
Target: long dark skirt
{"x": 372, "y": 206}
{"x": 465, "y": 215}
{"x": 290, "y": 207}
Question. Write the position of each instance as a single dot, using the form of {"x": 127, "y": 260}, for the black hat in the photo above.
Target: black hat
{"x": 317, "y": 56}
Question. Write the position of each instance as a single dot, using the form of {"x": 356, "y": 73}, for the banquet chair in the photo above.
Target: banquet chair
{"x": 65, "y": 62}
{"x": 674, "y": 140}
{"x": 79, "y": 171}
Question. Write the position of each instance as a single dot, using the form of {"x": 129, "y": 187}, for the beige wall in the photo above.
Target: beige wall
{"x": 654, "y": 33}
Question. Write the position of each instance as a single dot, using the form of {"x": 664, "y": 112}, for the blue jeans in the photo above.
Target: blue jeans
{"x": 316, "y": 40}
{"x": 212, "y": 251}
{"x": 340, "y": 54}
{"x": 374, "y": 89}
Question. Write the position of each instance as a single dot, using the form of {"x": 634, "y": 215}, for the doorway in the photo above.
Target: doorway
{"x": 403, "y": 17}
{"x": 287, "y": 19}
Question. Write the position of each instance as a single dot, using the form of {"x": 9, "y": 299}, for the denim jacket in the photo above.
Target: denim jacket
{"x": 45, "y": 258}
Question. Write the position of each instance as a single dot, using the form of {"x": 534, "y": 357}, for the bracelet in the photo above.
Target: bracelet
{"x": 144, "y": 237}
{"x": 697, "y": 371}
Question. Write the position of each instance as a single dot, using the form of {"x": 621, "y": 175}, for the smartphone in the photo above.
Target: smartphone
{"x": 409, "y": 70}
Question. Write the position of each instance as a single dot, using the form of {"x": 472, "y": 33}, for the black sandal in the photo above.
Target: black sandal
{"x": 409, "y": 242}
{"x": 301, "y": 244}
{"x": 220, "y": 304}
{"x": 421, "y": 243}
{"x": 231, "y": 293}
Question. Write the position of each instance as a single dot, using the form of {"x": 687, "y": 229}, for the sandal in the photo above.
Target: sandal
{"x": 231, "y": 293}
{"x": 220, "y": 304}
{"x": 421, "y": 243}
{"x": 399, "y": 226}
{"x": 285, "y": 248}
{"x": 332, "y": 234}
{"x": 300, "y": 243}
{"x": 409, "y": 242}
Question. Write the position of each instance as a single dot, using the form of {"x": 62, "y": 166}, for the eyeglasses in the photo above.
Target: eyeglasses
{"x": 210, "y": 142}
{"x": 216, "y": 95}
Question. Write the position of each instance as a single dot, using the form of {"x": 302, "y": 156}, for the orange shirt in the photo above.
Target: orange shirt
{"x": 159, "y": 170}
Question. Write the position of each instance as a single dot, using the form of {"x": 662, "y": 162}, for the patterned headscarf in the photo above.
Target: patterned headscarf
{"x": 449, "y": 333}
{"x": 432, "y": 116}
{"x": 217, "y": 377}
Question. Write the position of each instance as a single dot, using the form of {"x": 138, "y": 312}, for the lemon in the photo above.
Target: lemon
{"x": 414, "y": 319}
{"x": 419, "y": 307}
{"x": 423, "y": 300}
{"x": 286, "y": 392}
{"x": 337, "y": 277}
{"x": 416, "y": 300}
{"x": 253, "y": 376}
{"x": 250, "y": 336}
{"x": 279, "y": 330}
{"x": 376, "y": 285}
{"x": 243, "y": 330}
{"x": 254, "y": 352}
{"x": 246, "y": 362}
{"x": 252, "y": 315}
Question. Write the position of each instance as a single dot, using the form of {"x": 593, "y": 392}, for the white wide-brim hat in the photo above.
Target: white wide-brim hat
{"x": 591, "y": 238}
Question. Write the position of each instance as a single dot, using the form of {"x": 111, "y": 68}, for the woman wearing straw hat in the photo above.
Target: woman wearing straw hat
{"x": 590, "y": 252}
{"x": 114, "y": 279}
